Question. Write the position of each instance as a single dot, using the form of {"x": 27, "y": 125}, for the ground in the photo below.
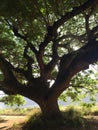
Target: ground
{"x": 15, "y": 123}
{"x": 11, "y": 122}
{"x": 14, "y": 119}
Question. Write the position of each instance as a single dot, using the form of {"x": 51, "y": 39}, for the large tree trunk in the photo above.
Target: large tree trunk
{"x": 50, "y": 108}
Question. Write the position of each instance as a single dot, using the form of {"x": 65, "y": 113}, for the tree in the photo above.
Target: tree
{"x": 12, "y": 100}
{"x": 46, "y": 40}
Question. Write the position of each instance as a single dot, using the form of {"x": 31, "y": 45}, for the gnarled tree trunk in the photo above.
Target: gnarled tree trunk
{"x": 50, "y": 108}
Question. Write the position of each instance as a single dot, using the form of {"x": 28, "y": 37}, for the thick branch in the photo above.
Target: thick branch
{"x": 7, "y": 69}
{"x": 93, "y": 33}
{"x": 41, "y": 65}
{"x": 10, "y": 83}
{"x": 73, "y": 63}
{"x": 29, "y": 60}
{"x": 74, "y": 12}
{"x": 50, "y": 66}
{"x": 52, "y": 30}
{"x": 32, "y": 48}
{"x": 5, "y": 66}
{"x": 12, "y": 87}
{"x": 38, "y": 56}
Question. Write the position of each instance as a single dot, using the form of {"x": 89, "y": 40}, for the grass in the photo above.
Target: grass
{"x": 31, "y": 111}
{"x": 20, "y": 112}
{"x": 15, "y": 126}
{"x": 72, "y": 117}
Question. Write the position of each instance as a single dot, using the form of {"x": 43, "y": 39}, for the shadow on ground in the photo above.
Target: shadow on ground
{"x": 3, "y": 120}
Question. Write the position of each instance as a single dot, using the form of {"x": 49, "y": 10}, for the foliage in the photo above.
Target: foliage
{"x": 31, "y": 21}
{"x": 48, "y": 41}
{"x": 83, "y": 85}
{"x": 12, "y": 100}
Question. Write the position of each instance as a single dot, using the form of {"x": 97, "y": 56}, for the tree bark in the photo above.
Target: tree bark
{"x": 50, "y": 108}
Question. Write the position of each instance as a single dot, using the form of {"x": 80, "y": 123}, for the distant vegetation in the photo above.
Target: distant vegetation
{"x": 11, "y": 100}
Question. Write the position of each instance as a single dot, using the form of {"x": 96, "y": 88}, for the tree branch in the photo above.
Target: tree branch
{"x": 80, "y": 38}
{"x": 50, "y": 66}
{"x": 93, "y": 33}
{"x": 74, "y": 12}
{"x": 73, "y": 63}
{"x": 11, "y": 85}
{"x": 52, "y": 30}
{"x": 17, "y": 34}
{"x": 5, "y": 89}
{"x": 87, "y": 16}
{"x": 7, "y": 69}
{"x": 5, "y": 66}
{"x": 30, "y": 61}
{"x": 51, "y": 33}
{"x": 16, "y": 88}
{"x": 15, "y": 31}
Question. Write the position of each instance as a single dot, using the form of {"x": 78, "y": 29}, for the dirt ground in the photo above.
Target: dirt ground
{"x": 15, "y": 123}
{"x": 11, "y": 122}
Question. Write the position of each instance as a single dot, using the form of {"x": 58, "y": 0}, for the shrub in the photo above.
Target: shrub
{"x": 70, "y": 118}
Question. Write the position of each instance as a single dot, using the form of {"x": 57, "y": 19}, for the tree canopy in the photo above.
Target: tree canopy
{"x": 46, "y": 40}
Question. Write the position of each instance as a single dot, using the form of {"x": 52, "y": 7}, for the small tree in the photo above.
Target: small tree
{"x": 12, "y": 100}
{"x": 46, "y": 40}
